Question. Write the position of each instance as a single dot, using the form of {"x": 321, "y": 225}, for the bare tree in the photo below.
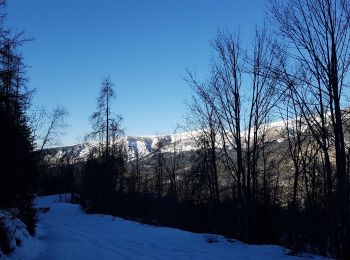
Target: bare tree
{"x": 203, "y": 121}
{"x": 158, "y": 168}
{"x": 219, "y": 105}
{"x": 136, "y": 168}
{"x": 36, "y": 120}
{"x": 109, "y": 162}
{"x": 172, "y": 164}
{"x": 226, "y": 87}
{"x": 317, "y": 34}
{"x": 106, "y": 124}
{"x": 57, "y": 124}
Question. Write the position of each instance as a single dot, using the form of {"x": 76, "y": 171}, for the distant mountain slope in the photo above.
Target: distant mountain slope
{"x": 145, "y": 145}
{"x": 141, "y": 145}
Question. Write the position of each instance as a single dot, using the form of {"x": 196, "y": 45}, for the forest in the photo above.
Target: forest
{"x": 269, "y": 123}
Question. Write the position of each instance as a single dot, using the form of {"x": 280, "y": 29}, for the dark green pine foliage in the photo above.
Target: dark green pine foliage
{"x": 17, "y": 162}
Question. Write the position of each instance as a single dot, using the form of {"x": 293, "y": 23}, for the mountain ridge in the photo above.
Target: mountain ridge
{"x": 144, "y": 145}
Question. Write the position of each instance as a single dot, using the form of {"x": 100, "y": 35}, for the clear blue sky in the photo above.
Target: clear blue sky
{"x": 145, "y": 46}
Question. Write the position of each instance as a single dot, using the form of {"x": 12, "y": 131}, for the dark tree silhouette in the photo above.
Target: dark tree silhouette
{"x": 17, "y": 167}
{"x": 103, "y": 177}
{"x": 317, "y": 39}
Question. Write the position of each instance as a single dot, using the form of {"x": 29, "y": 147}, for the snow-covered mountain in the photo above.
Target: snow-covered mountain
{"x": 136, "y": 146}
{"x": 144, "y": 145}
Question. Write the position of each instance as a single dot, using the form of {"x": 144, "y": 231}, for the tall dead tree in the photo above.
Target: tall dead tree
{"x": 101, "y": 119}
{"x": 104, "y": 172}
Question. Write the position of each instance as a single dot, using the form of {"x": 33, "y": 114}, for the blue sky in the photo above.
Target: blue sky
{"x": 144, "y": 46}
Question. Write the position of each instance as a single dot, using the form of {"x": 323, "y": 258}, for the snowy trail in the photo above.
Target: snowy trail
{"x": 65, "y": 232}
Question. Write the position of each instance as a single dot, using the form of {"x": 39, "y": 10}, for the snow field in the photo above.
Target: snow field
{"x": 65, "y": 232}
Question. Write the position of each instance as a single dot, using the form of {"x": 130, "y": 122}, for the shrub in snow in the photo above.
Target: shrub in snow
{"x": 12, "y": 231}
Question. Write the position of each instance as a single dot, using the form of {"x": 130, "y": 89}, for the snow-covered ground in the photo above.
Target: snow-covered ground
{"x": 65, "y": 232}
